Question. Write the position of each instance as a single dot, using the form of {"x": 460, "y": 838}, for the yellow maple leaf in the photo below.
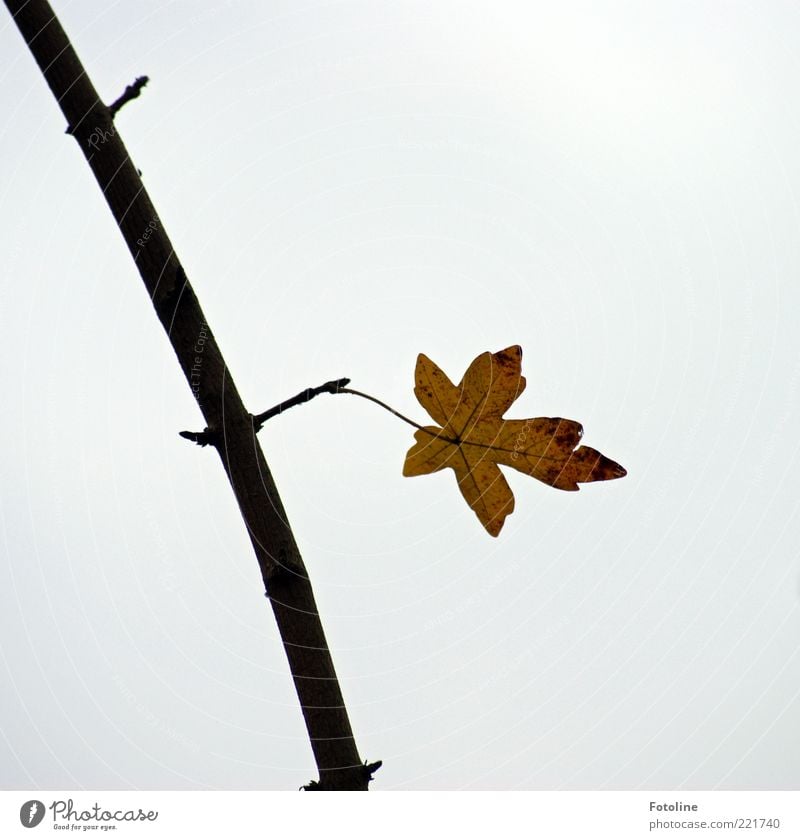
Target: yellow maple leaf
{"x": 473, "y": 438}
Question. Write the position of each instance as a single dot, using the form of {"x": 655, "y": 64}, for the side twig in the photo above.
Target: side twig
{"x": 130, "y": 92}
{"x": 335, "y": 386}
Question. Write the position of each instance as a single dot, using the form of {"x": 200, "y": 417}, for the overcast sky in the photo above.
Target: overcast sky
{"x": 611, "y": 185}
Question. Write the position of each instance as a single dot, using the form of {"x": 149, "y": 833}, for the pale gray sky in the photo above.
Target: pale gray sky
{"x": 612, "y": 185}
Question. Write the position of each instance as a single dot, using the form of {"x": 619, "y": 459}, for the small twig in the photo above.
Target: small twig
{"x": 130, "y": 92}
{"x": 333, "y": 387}
{"x": 204, "y": 438}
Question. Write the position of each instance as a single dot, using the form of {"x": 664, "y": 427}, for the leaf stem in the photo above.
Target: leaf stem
{"x": 382, "y": 405}
{"x": 396, "y": 413}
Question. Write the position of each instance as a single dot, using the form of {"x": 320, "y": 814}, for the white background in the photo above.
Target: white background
{"x": 560, "y": 815}
{"x": 612, "y": 185}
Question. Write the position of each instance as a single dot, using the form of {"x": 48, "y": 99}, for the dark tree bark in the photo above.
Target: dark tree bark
{"x": 229, "y": 425}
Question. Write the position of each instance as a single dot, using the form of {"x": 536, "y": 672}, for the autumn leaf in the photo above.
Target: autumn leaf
{"x": 473, "y": 439}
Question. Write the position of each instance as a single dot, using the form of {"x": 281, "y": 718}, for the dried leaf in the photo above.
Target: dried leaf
{"x": 473, "y": 438}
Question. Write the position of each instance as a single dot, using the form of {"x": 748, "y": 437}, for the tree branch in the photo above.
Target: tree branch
{"x": 177, "y": 307}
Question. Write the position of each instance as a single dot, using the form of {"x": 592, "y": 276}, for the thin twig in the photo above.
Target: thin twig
{"x": 130, "y": 92}
{"x": 333, "y": 387}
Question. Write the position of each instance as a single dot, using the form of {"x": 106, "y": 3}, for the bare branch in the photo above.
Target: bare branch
{"x": 176, "y": 305}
